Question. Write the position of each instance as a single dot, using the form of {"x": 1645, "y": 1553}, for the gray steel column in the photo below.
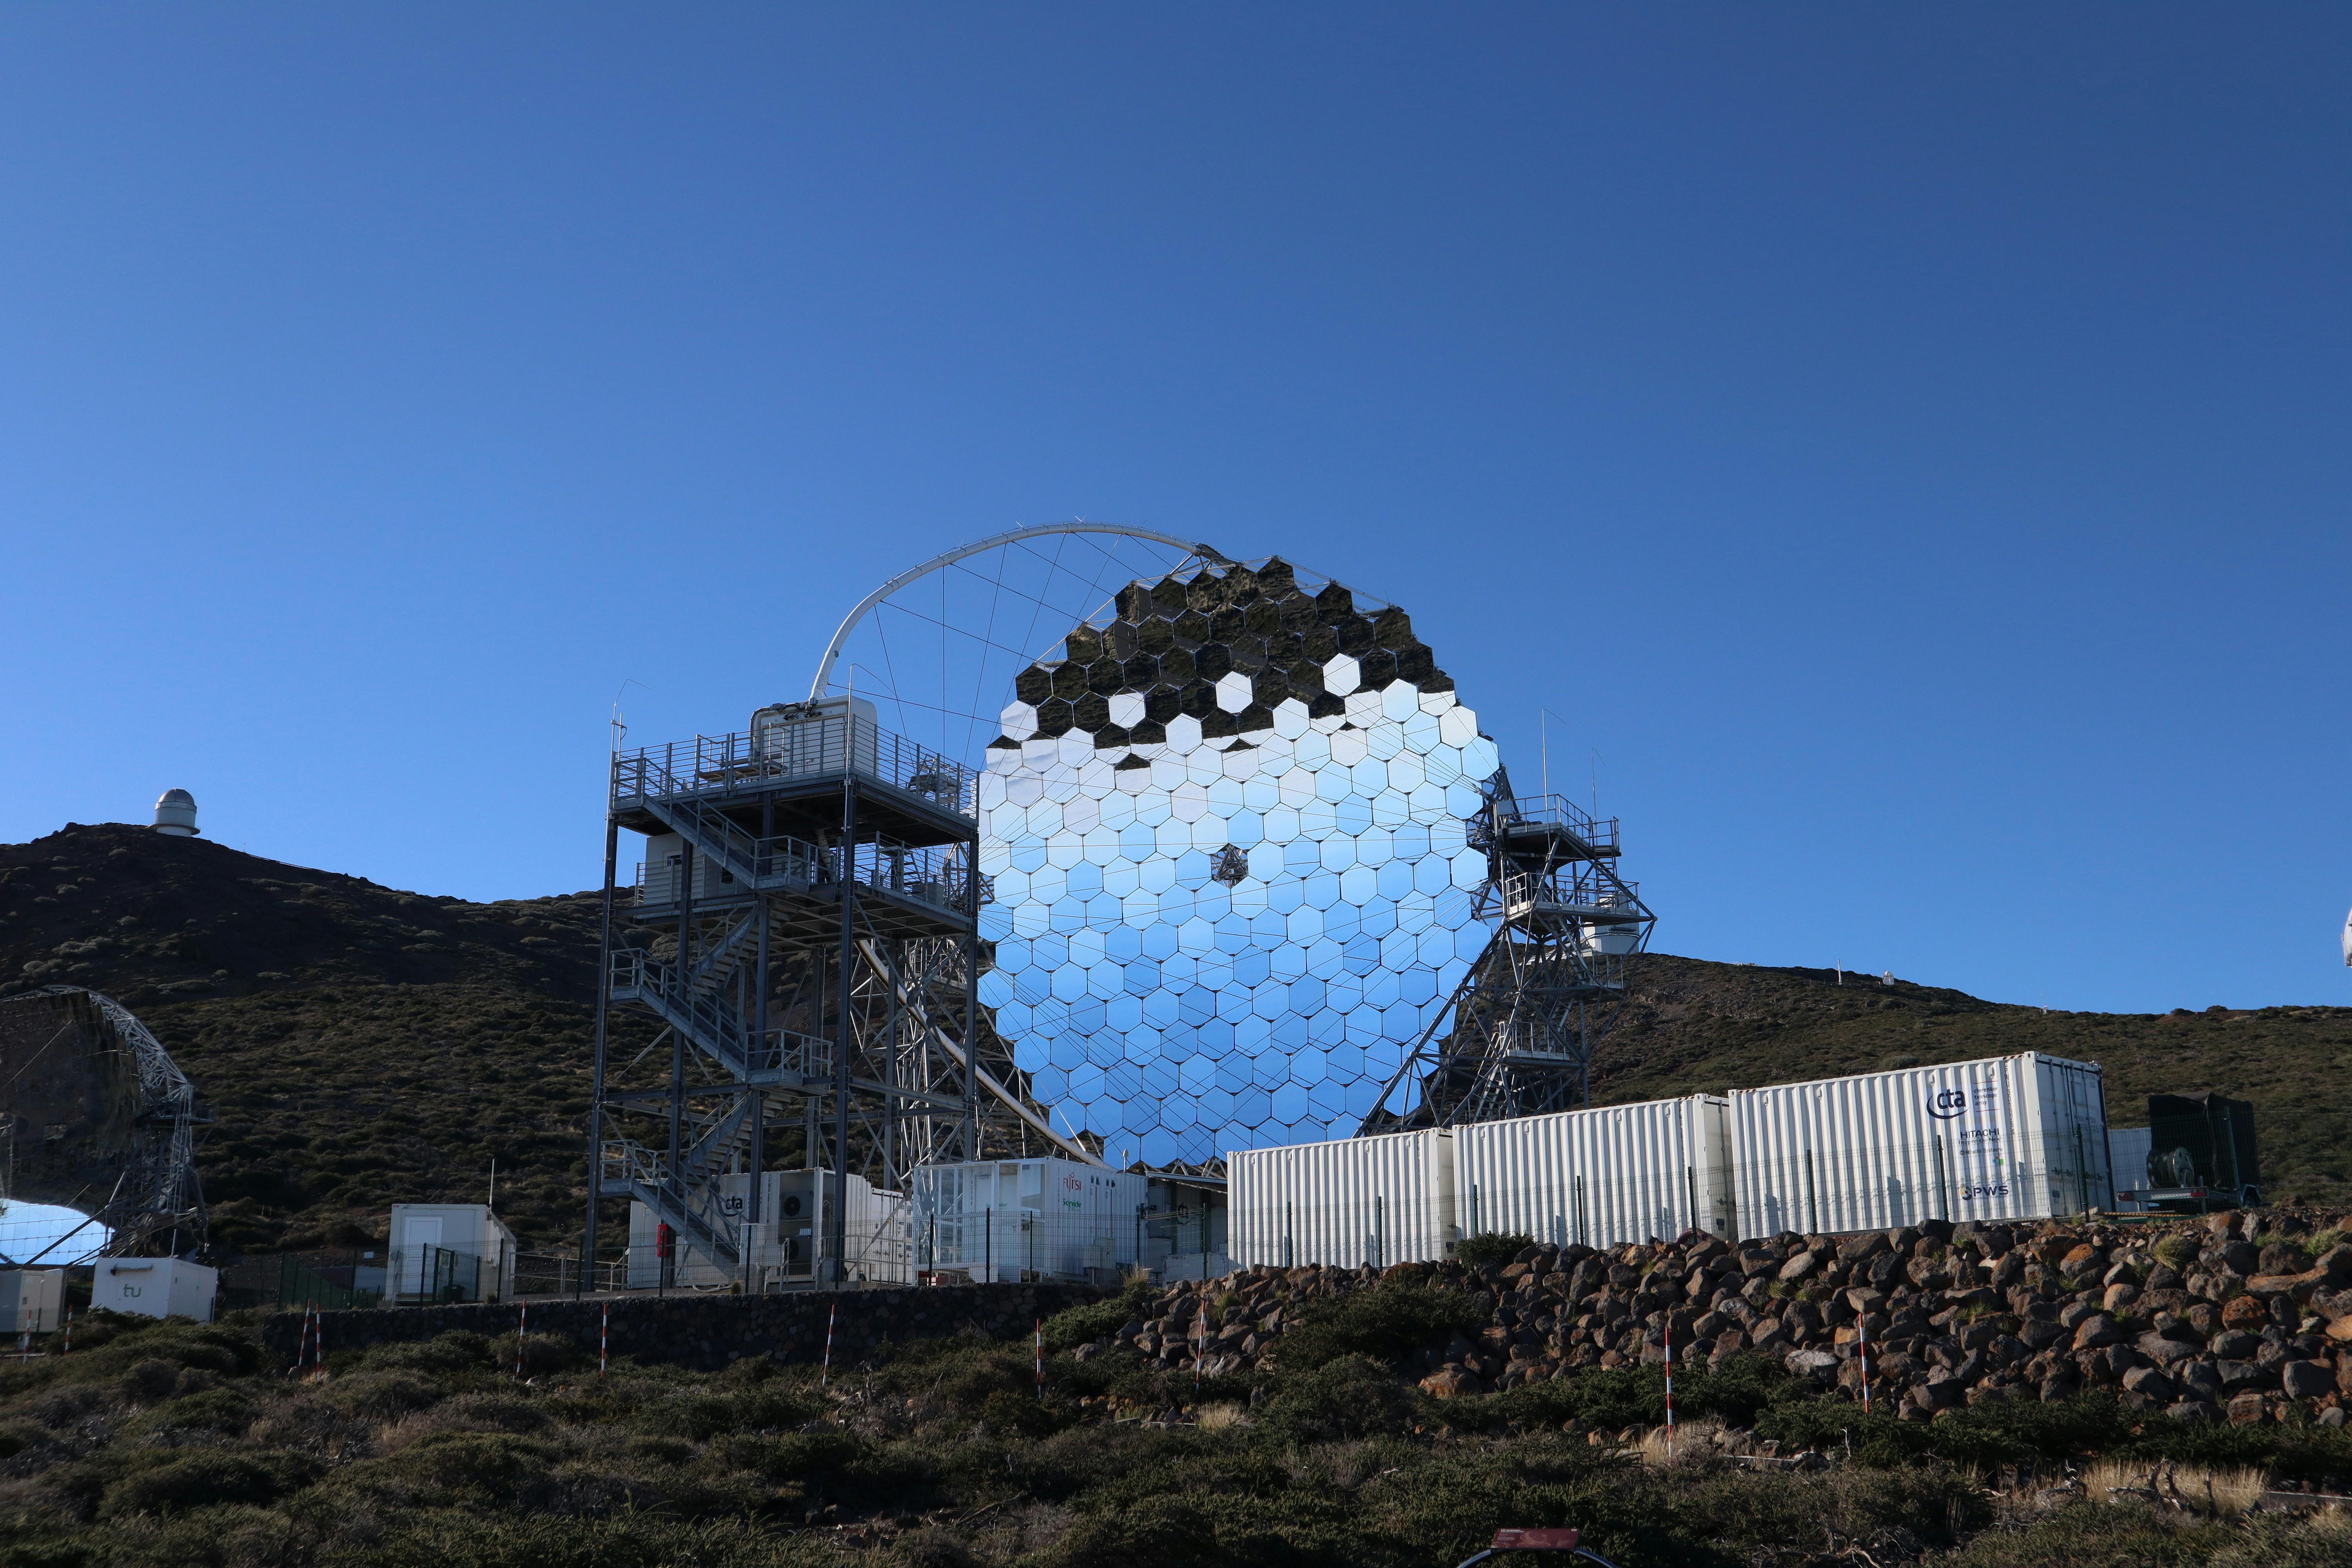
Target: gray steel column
{"x": 972, "y": 1005}
{"x": 838, "y": 1222}
{"x": 759, "y": 1153}
{"x": 670, "y": 1176}
{"x": 596, "y": 1089}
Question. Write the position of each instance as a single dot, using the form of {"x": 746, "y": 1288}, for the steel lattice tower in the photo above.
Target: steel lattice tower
{"x": 1526, "y": 1021}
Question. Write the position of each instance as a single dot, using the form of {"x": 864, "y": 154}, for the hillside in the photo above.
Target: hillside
{"x": 356, "y": 1046}
{"x": 1694, "y": 1026}
{"x": 359, "y": 1046}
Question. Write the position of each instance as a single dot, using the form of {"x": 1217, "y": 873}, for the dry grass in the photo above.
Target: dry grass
{"x": 1694, "y": 1443}
{"x": 1223, "y": 1417}
{"x": 2229, "y": 1493}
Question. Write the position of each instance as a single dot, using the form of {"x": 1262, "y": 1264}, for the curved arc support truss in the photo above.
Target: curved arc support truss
{"x": 823, "y": 681}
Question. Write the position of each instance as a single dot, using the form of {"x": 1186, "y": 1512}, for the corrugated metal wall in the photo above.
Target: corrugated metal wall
{"x": 1604, "y": 1177}
{"x": 1352, "y": 1202}
{"x": 2005, "y": 1138}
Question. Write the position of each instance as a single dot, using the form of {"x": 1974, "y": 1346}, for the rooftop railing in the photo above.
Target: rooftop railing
{"x": 1558, "y": 811}
{"x": 714, "y": 767}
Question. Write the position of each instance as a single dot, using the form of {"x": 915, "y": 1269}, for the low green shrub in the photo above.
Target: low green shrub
{"x": 702, "y": 1416}
{"x": 1389, "y": 1323}
{"x": 380, "y": 1396}
{"x": 1497, "y": 1246}
{"x": 188, "y": 1480}
{"x": 1076, "y": 1326}
{"x": 215, "y": 1409}
{"x": 1348, "y": 1396}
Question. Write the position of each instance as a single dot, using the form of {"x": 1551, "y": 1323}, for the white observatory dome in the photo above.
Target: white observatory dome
{"x": 175, "y": 814}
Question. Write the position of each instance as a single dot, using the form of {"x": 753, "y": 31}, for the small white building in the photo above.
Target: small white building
{"x": 154, "y": 1287}
{"x": 450, "y": 1252}
{"x": 31, "y": 1300}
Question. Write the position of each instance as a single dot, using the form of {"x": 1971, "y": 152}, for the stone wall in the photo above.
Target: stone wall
{"x": 2237, "y": 1315}
{"x": 707, "y": 1333}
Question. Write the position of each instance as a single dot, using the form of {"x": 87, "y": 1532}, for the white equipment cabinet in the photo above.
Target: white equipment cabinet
{"x": 154, "y": 1287}
{"x": 32, "y": 1300}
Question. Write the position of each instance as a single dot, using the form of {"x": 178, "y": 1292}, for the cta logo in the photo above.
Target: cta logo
{"x": 1947, "y": 1104}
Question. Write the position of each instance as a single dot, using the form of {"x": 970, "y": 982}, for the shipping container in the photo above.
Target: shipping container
{"x": 1603, "y": 1177}
{"x": 154, "y": 1287}
{"x": 2010, "y": 1138}
{"x": 1029, "y": 1219}
{"x": 31, "y": 1300}
{"x": 1354, "y": 1202}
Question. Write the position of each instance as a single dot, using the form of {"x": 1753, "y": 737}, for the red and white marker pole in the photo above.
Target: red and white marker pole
{"x": 1670, "y": 1386}
{"x": 521, "y": 1323}
{"x": 826, "y": 1377}
{"x": 69, "y": 1350}
{"x": 604, "y": 1341}
{"x": 1862, "y": 1331}
{"x": 1040, "y": 1358}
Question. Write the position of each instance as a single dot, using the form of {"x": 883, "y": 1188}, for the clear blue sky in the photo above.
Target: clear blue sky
{"x": 1907, "y": 444}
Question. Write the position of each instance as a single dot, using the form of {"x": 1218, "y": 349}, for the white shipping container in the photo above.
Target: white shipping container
{"x": 154, "y": 1287}
{"x": 1014, "y": 1219}
{"x": 1604, "y": 1177}
{"x": 1354, "y": 1202}
{"x": 31, "y": 1300}
{"x": 2008, "y": 1138}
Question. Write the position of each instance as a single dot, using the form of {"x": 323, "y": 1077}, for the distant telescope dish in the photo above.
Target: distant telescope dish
{"x": 95, "y": 1117}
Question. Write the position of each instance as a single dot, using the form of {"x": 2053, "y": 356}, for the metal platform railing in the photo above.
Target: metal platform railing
{"x": 717, "y": 767}
{"x": 930, "y": 874}
{"x": 1583, "y": 896}
{"x": 1558, "y": 811}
